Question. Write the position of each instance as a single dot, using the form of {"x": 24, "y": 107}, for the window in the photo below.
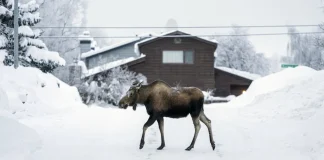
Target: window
{"x": 188, "y": 57}
{"x": 172, "y": 56}
{"x": 177, "y": 57}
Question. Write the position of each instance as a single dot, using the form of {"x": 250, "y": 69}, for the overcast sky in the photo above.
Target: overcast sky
{"x": 208, "y": 13}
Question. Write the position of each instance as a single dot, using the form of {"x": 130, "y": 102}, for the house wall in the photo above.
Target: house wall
{"x": 111, "y": 55}
{"x": 224, "y": 81}
{"x": 200, "y": 74}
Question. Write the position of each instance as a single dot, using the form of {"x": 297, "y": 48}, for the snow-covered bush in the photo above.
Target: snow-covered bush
{"x": 110, "y": 86}
{"x": 32, "y": 51}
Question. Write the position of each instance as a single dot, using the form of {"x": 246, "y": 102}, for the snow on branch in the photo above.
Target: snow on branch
{"x": 3, "y": 41}
{"x": 37, "y": 32}
{"x": 25, "y": 31}
{"x": 31, "y": 6}
{"x": 10, "y": 3}
{"x": 36, "y": 42}
{"x": 4, "y": 11}
{"x": 25, "y": 41}
{"x": 29, "y": 18}
{"x": 44, "y": 55}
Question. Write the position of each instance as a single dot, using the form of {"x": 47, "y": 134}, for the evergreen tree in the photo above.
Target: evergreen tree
{"x": 32, "y": 51}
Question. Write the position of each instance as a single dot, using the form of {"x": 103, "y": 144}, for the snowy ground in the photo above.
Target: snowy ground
{"x": 265, "y": 123}
{"x": 107, "y": 133}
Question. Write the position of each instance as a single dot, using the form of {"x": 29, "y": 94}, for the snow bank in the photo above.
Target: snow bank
{"x": 287, "y": 123}
{"x": 300, "y": 100}
{"x": 28, "y": 91}
{"x": 17, "y": 140}
{"x": 273, "y": 82}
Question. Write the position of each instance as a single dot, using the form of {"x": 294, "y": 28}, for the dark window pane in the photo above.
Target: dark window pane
{"x": 188, "y": 57}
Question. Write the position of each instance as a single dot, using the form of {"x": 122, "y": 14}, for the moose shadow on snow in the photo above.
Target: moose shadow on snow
{"x": 161, "y": 100}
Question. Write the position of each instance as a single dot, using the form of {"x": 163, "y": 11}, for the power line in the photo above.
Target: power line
{"x": 159, "y": 27}
{"x": 182, "y": 36}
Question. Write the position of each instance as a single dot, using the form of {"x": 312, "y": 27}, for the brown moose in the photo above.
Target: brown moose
{"x": 161, "y": 100}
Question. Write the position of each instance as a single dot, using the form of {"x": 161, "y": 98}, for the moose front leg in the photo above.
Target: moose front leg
{"x": 149, "y": 122}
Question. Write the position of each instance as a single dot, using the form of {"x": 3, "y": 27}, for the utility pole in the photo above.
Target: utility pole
{"x": 16, "y": 34}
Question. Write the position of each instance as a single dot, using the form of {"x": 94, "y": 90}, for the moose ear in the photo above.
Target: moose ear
{"x": 139, "y": 85}
{"x": 135, "y": 83}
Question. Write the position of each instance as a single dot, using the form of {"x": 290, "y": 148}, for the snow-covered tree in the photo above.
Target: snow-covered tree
{"x": 238, "y": 52}
{"x": 262, "y": 65}
{"x": 32, "y": 51}
{"x": 307, "y": 50}
{"x": 63, "y": 14}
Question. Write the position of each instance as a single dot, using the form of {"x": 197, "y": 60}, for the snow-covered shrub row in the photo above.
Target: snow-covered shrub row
{"x": 108, "y": 87}
{"x": 32, "y": 51}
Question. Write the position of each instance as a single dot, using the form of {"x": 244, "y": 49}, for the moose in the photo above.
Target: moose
{"x": 161, "y": 100}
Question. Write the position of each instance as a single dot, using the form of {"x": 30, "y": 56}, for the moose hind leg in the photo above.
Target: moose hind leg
{"x": 207, "y": 122}
{"x": 197, "y": 126}
{"x": 149, "y": 122}
{"x": 161, "y": 127}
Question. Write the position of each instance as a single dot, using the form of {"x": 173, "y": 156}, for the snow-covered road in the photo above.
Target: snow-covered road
{"x": 101, "y": 133}
{"x": 107, "y": 133}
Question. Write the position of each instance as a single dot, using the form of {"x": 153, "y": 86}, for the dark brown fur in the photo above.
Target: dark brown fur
{"x": 161, "y": 100}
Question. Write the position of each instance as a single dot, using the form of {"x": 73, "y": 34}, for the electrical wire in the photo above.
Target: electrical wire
{"x": 198, "y": 27}
{"x": 183, "y": 36}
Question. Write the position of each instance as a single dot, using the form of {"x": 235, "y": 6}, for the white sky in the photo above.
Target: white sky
{"x": 207, "y": 13}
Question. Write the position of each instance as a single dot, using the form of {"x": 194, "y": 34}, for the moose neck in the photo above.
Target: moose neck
{"x": 143, "y": 94}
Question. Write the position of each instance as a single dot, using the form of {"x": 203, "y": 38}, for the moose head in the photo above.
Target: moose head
{"x": 130, "y": 99}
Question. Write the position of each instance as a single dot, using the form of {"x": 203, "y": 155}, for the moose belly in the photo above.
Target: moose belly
{"x": 177, "y": 112}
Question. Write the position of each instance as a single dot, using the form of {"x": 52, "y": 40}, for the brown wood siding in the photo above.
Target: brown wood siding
{"x": 200, "y": 74}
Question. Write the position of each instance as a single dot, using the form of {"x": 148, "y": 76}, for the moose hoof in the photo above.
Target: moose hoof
{"x": 161, "y": 147}
{"x": 213, "y": 146}
{"x": 141, "y": 145}
{"x": 189, "y": 148}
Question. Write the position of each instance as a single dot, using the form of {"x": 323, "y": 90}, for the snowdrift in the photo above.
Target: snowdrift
{"x": 273, "y": 82}
{"x": 17, "y": 140}
{"x": 27, "y": 91}
{"x": 296, "y": 101}
{"x": 285, "y": 117}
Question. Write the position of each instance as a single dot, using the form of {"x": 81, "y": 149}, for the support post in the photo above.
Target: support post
{"x": 16, "y": 34}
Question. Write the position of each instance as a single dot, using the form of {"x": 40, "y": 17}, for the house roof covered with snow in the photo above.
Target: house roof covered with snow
{"x": 142, "y": 39}
{"x": 243, "y": 74}
{"x": 110, "y": 65}
{"x": 116, "y": 45}
{"x": 175, "y": 33}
